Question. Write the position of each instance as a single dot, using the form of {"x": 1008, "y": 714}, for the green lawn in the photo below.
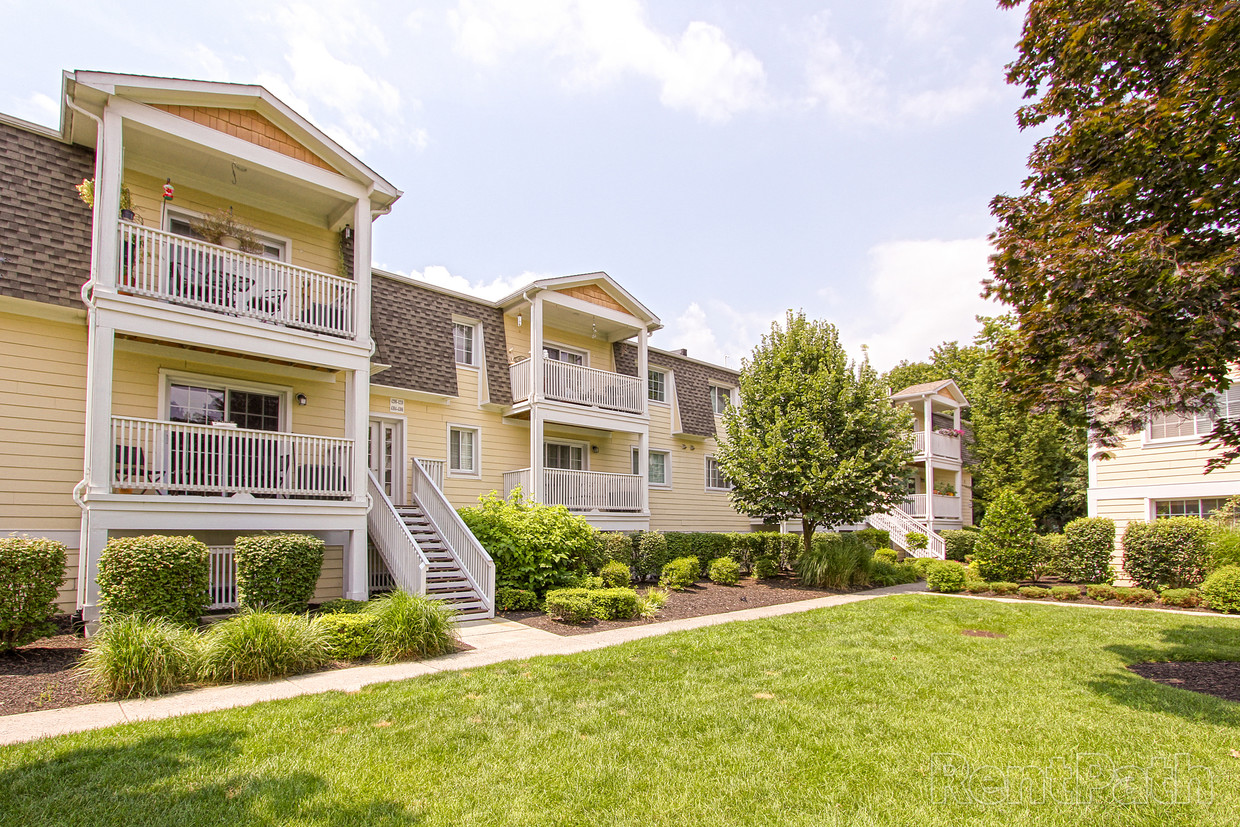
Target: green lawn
{"x": 829, "y": 717}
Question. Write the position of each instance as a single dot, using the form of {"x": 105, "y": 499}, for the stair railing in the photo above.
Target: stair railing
{"x": 470, "y": 556}
{"x": 400, "y": 552}
{"x": 899, "y": 525}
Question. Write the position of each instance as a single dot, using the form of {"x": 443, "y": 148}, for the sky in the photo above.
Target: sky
{"x": 724, "y": 161}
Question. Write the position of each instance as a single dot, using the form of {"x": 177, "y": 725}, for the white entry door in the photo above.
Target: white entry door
{"x": 387, "y": 456}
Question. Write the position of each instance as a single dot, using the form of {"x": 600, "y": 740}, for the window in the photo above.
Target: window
{"x": 462, "y": 450}
{"x": 202, "y": 405}
{"x": 1188, "y": 508}
{"x": 656, "y": 385}
{"x": 272, "y": 248}
{"x": 720, "y": 399}
{"x": 463, "y": 343}
{"x": 559, "y": 354}
{"x": 657, "y": 467}
{"x": 568, "y": 457}
{"x": 715, "y": 480}
{"x": 1176, "y": 426}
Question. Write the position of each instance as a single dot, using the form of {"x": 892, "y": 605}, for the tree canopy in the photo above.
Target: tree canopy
{"x": 1121, "y": 256}
{"x": 815, "y": 436}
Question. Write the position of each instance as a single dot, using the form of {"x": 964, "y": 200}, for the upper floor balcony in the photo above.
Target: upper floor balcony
{"x": 578, "y": 385}
{"x": 179, "y": 270}
{"x": 936, "y": 445}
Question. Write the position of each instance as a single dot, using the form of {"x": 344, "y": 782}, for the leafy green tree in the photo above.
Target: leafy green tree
{"x": 815, "y": 435}
{"x": 1121, "y": 256}
{"x": 1004, "y": 550}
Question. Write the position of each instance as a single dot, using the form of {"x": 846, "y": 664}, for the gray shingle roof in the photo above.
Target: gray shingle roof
{"x": 44, "y": 226}
{"x": 693, "y": 381}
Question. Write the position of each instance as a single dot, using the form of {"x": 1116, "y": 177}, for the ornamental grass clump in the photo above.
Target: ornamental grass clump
{"x": 410, "y": 626}
{"x": 31, "y": 571}
{"x": 836, "y": 561}
{"x": 258, "y": 646}
{"x": 136, "y": 657}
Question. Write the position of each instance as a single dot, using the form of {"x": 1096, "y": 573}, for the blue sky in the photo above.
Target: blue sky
{"x": 724, "y": 161}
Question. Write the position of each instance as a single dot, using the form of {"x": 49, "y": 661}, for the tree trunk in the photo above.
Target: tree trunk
{"x": 807, "y": 534}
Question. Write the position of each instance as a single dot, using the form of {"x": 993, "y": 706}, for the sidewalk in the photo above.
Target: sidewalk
{"x": 493, "y": 641}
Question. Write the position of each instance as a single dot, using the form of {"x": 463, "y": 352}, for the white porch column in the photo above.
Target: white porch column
{"x": 960, "y": 490}
{"x": 536, "y": 456}
{"x": 361, "y": 266}
{"x": 928, "y": 413}
{"x": 643, "y": 366}
{"x": 643, "y": 463}
{"x": 109, "y": 172}
{"x": 356, "y": 427}
{"x": 536, "y": 350}
{"x": 99, "y": 445}
{"x": 956, "y": 418}
{"x": 356, "y": 567}
{"x": 92, "y": 543}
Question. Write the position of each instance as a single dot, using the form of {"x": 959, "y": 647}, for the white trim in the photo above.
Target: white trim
{"x": 666, "y": 373}
{"x": 476, "y": 333}
{"x": 168, "y": 376}
{"x": 400, "y": 460}
{"x": 448, "y": 469}
{"x": 1167, "y": 491}
{"x": 569, "y": 443}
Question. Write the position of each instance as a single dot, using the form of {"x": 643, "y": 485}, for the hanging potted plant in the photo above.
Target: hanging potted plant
{"x": 223, "y": 228}
{"x": 86, "y": 191}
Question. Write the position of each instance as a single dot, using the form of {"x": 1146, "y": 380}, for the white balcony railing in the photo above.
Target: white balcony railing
{"x": 580, "y": 385}
{"x": 221, "y": 578}
{"x": 945, "y": 507}
{"x": 941, "y": 445}
{"x": 583, "y": 490}
{"x": 180, "y": 270}
{"x": 151, "y": 456}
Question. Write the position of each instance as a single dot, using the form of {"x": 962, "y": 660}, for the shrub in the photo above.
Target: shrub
{"x": 1184, "y": 598}
{"x": 884, "y": 572}
{"x": 1034, "y": 592}
{"x": 349, "y": 635}
{"x": 888, "y": 554}
{"x": 1004, "y": 548}
{"x": 278, "y": 572}
{"x": 704, "y": 545}
{"x": 1223, "y": 547}
{"x": 651, "y": 553}
{"x": 648, "y": 604}
{"x": 154, "y": 576}
{"x": 681, "y": 573}
{"x": 616, "y": 574}
{"x": 1003, "y": 587}
{"x": 1222, "y": 589}
{"x": 836, "y": 561}
{"x": 341, "y": 605}
{"x": 916, "y": 541}
{"x": 258, "y": 646}
{"x": 764, "y": 568}
{"x": 535, "y": 547}
{"x": 133, "y": 656}
{"x": 569, "y": 605}
{"x": 748, "y": 547}
{"x": 874, "y": 538}
{"x": 1048, "y": 551}
{"x": 410, "y": 626}
{"x": 1089, "y": 544}
{"x": 1102, "y": 592}
{"x": 972, "y": 574}
{"x": 1065, "y": 592}
{"x": 921, "y": 565}
{"x": 1168, "y": 553}
{"x": 1135, "y": 595}
{"x": 614, "y": 604}
{"x": 959, "y": 544}
{"x": 725, "y": 571}
{"x": 31, "y": 571}
{"x": 945, "y": 576}
{"x": 616, "y": 546}
{"x": 508, "y": 599}
{"x": 976, "y": 586}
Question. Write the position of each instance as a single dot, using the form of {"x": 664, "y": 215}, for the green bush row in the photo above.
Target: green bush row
{"x": 31, "y": 571}
{"x": 647, "y": 552}
{"x": 575, "y": 605}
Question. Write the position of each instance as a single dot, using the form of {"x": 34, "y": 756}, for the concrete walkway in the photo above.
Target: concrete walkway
{"x": 494, "y": 641}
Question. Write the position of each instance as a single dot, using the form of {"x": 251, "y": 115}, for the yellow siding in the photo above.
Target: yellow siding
{"x": 66, "y": 595}
{"x": 518, "y": 338}
{"x": 599, "y": 349}
{"x": 42, "y": 422}
{"x": 316, "y": 248}
{"x": 1134, "y": 464}
{"x": 331, "y": 578}
{"x": 687, "y": 505}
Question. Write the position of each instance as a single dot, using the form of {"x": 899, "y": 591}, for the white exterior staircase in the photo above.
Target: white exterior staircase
{"x": 898, "y": 524}
{"x": 445, "y": 579}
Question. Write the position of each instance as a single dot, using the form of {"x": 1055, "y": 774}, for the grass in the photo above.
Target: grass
{"x": 823, "y": 718}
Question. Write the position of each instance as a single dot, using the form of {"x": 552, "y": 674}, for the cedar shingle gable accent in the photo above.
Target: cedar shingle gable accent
{"x": 412, "y": 329}
{"x": 44, "y": 226}
{"x": 693, "y": 381}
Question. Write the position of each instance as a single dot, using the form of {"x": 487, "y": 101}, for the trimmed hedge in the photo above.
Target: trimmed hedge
{"x": 616, "y": 546}
{"x": 725, "y": 571}
{"x": 1135, "y": 595}
{"x": 959, "y": 544}
{"x": 884, "y": 572}
{"x": 569, "y": 605}
{"x": 1048, "y": 553}
{"x": 508, "y": 599}
{"x": 154, "y": 576}
{"x": 890, "y": 555}
{"x": 341, "y": 605}
{"x": 277, "y": 572}
{"x": 1183, "y": 598}
{"x": 945, "y": 576}
{"x": 349, "y": 635}
{"x": 1222, "y": 590}
{"x": 1102, "y": 592}
{"x": 1090, "y": 542}
{"x": 650, "y": 553}
{"x": 1003, "y": 587}
{"x": 874, "y": 538}
{"x": 615, "y": 574}
{"x": 614, "y": 604}
{"x": 31, "y": 571}
{"x": 765, "y": 568}
{"x": 976, "y": 586}
{"x": 1065, "y": 592}
{"x": 1034, "y": 592}
{"x": 1171, "y": 553}
{"x": 681, "y": 573}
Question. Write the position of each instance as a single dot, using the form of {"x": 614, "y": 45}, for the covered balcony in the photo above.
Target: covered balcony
{"x": 936, "y": 444}
{"x": 578, "y": 385}
{"x": 582, "y": 491}
{"x": 945, "y": 507}
{"x": 169, "y": 458}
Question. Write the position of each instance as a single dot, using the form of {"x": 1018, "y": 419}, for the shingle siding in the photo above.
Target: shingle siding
{"x": 412, "y": 329}
{"x": 44, "y": 226}
{"x": 693, "y": 381}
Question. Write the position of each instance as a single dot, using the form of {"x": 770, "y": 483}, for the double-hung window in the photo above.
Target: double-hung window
{"x": 720, "y": 399}
{"x": 463, "y": 336}
{"x": 656, "y": 385}
{"x": 658, "y": 468}
{"x": 462, "y": 450}
{"x": 1177, "y": 426}
{"x": 565, "y": 456}
{"x": 715, "y": 480}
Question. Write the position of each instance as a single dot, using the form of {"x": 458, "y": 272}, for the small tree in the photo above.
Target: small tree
{"x": 1004, "y": 549}
{"x": 815, "y": 436}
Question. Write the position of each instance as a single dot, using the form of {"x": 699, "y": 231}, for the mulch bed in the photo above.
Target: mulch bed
{"x": 39, "y": 676}
{"x": 705, "y": 598}
{"x": 1218, "y": 678}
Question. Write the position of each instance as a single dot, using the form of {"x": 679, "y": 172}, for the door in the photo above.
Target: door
{"x": 386, "y": 450}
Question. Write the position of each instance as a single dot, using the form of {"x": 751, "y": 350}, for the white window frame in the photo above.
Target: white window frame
{"x": 706, "y": 473}
{"x": 731, "y": 392}
{"x": 461, "y": 472}
{"x": 570, "y": 443}
{"x": 584, "y": 354}
{"x": 181, "y": 214}
{"x": 667, "y": 467}
{"x": 474, "y": 343}
{"x": 168, "y": 378}
{"x": 1227, "y": 406}
{"x": 1154, "y": 501}
{"x": 664, "y": 382}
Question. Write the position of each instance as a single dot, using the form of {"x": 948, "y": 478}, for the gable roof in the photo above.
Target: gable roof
{"x": 568, "y": 285}
{"x": 941, "y": 387}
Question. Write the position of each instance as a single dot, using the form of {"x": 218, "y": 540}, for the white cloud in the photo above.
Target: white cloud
{"x": 718, "y": 333}
{"x": 921, "y": 293}
{"x": 601, "y": 42}
{"x": 38, "y": 108}
{"x": 923, "y": 19}
{"x": 497, "y": 288}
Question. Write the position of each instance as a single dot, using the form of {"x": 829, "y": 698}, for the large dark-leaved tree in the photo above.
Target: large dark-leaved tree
{"x": 815, "y": 436}
{"x": 1121, "y": 256}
